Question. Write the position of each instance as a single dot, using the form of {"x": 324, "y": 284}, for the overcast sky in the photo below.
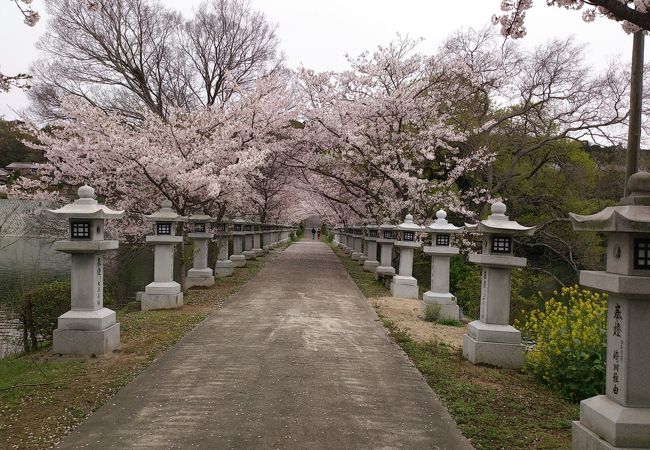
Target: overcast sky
{"x": 318, "y": 33}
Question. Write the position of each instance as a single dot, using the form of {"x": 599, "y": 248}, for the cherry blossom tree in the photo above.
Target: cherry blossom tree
{"x": 377, "y": 138}
{"x": 634, "y": 15}
{"x": 20, "y": 80}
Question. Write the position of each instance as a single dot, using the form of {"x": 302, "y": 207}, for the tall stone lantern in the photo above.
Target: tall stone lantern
{"x": 163, "y": 292}
{"x": 492, "y": 340}
{"x": 621, "y": 418}
{"x": 200, "y": 274}
{"x": 238, "y": 258}
{"x": 257, "y": 239}
{"x": 386, "y": 240}
{"x": 224, "y": 267}
{"x": 441, "y": 251}
{"x": 372, "y": 234}
{"x": 248, "y": 252}
{"x": 88, "y": 328}
{"x": 357, "y": 243}
{"x": 404, "y": 285}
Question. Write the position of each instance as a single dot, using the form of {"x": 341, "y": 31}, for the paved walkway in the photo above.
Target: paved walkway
{"x": 297, "y": 360}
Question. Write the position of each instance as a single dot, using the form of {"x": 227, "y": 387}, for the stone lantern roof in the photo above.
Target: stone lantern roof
{"x": 164, "y": 214}
{"x": 372, "y": 225}
{"x": 409, "y": 225}
{"x": 86, "y": 207}
{"x": 198, "y": 218}
{"x": 386, "y": 225}
{"x": 499, "y": 223}
{"x": 631, "y": 215}
{"x": 441, "y": 225}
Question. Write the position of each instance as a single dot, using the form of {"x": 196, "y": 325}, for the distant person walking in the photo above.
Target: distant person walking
{"x": 313, "y": 233}
{"x": 318, "y": 234}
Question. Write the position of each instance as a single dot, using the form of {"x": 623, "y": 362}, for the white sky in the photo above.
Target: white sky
{"x": 318, "y": 33}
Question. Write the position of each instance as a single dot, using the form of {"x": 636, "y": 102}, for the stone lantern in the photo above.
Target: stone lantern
{"x": 200, "y": 274}
{"x": 336, "y": 238}
{"x": 621, "y": 418}
{"x": 257, "y": 239}
{"x": 441, "y": 252}
{"x": 357, "y": 240}
{"x": 238, "y": 258}
{"x": 88, "y": 328}
{"x": 248, "y": 252}
{"x": 163, "y": 292}
{"x": 349, "y": 241}
{"x": 372, "y": 234}
{"x": 404, "y": 285}
{"x": 224, "y": 267}
{"x": 265, "y": 233}
{"x": 386, "y": 240}
{"x": 492, "y": 340}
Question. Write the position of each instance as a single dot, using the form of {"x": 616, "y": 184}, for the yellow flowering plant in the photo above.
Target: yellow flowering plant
{"x": 568, "y": 340}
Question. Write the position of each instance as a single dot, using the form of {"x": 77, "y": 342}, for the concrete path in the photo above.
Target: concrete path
{"x": 297, "y": 360}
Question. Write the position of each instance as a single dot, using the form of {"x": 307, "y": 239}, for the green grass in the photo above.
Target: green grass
{"x": 494, "y": 408}
{"x": 364, "y": 280}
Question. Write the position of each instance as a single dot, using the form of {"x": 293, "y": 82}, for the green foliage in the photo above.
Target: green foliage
{"x": 570, "y": 342}
{"x": 465, "y": 284}
{"x": 12, "y": 148}
{"x": 432, "y": 312}
{"x": 38, "y": 311}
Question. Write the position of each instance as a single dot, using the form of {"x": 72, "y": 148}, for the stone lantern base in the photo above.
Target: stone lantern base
{"x": 199, "y": 277}
{"x": 496, "y": 345}
{"x": 224, "y": 268}
{"x": 356, "y": 255}
{"x": 404, "y": 287}
{"x": 370, "y": 266}
{"x": 238, "y": 260}
{"x": 86, "y": 333}
{"x": 449, "y": 309}
{"x": 249, "y": 254}
{"x": 159, "y": 295}
{"x": 362, "y": 259}
{"x": 603, "y": 422}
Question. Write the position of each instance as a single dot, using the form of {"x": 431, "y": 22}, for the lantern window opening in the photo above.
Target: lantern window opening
{"x": 199, "y": 227}
{"x": 164, "y": 228}
{"x": 642, "y": 254}
{"x": 442, "y": 240}
{"x": 409, "y": 236}
{"x": 373, "y": 233}
{"x": 80, "y": 229}
{"x": 388, "y": 235}
{"x": 502, "y": 244}
{"x": 248, "y": 227}
{"x": 237, "y": 227}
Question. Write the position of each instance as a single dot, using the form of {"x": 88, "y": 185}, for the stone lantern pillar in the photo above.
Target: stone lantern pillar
{"x": 404, "y": 285}
{"x": 238, "y": 258}
{"x": 371, "y": 263}
{"x": 492, "y": 340}
{"x": 349, "y": 241}
{"x": 620, "y": 419}
{"x": 88, "y": 328}
{"x": 257, "y": 239}
{"x": 386, "y": 240}
{"x": 357, "y": 250}
{"x": 163, "y": 292}
{"x": 200, "y": 274}
{"x": 266, "y": 238}
{"x": 335, "y": 239}
{"x": 248, "y": 252}
{"x": 224, "y": 267}
{"x": 441, "y": 252}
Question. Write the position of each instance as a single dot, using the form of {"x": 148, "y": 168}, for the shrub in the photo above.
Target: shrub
{"x": 569, "y": 342}
{"x": 432, "y": 312}
{"x": 39, "y": 310}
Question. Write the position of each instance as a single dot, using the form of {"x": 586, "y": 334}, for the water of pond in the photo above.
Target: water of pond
{"x": 26, "y": 262}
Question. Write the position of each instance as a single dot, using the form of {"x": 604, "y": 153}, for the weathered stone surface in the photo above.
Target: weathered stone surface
{"x": 297, "y": 359}
{"x": 86, "y": 342}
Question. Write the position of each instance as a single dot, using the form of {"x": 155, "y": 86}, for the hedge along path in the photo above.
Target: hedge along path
{"x": 39, "y": 416}
{"x": 298, "y": 359}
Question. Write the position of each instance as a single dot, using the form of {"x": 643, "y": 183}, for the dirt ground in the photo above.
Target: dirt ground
{"x": 404, "y": 313}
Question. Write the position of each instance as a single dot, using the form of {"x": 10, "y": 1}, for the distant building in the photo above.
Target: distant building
{"x": 26, "y": 166}
{"x": 3, "y": 176}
